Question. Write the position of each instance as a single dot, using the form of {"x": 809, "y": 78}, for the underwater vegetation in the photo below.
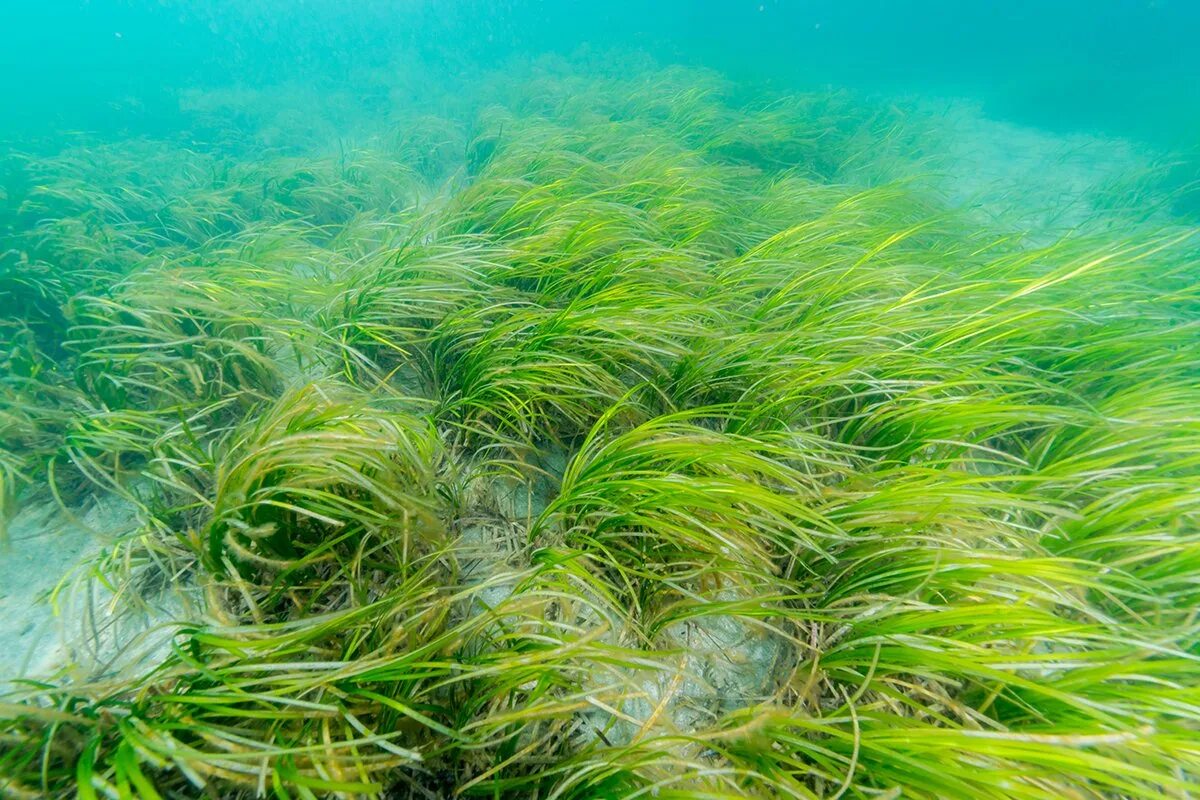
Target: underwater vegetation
{"x": 626, "y": 436}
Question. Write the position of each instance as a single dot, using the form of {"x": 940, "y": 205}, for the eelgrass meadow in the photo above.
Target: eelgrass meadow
{"x": 634, "y": 433}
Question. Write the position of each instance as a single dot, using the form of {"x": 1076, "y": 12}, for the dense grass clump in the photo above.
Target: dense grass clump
{"x": 615, "y": 437}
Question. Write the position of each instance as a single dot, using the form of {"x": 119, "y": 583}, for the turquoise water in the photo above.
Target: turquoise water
{"x": 1122, "y": 66}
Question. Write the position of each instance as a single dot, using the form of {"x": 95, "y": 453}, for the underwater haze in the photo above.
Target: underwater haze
{"x": 414, "y": 399}
{"x": 1128, "y": 67}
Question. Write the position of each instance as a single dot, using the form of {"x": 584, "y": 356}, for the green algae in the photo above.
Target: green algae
{"x": 670, "y": 442}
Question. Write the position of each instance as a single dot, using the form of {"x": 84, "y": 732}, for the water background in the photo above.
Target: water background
{"x": 1121, "y": 67}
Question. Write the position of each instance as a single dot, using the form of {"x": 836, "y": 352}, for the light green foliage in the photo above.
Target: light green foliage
{"x": 633, "y": 435}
